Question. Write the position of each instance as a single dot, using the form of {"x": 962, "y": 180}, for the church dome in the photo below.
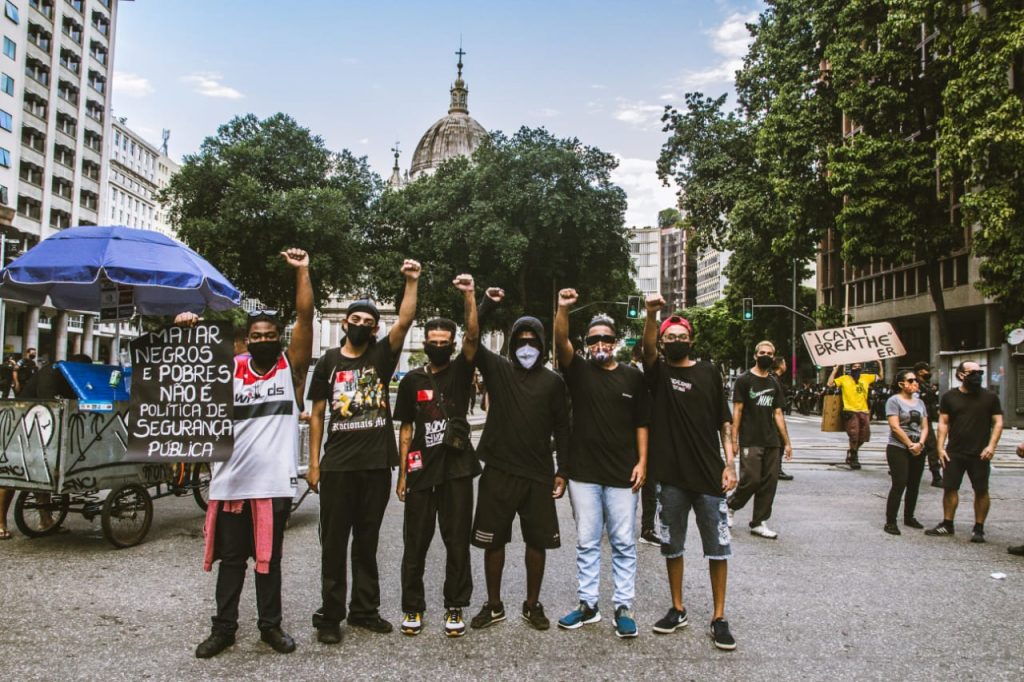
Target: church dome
{"x": 457, "y": 134}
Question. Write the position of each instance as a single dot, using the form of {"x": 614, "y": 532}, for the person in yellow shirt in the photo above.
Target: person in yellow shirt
{"x": 856, "y": 413}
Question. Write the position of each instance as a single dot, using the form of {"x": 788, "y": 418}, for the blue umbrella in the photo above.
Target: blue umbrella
{"x": 71, "y": 267}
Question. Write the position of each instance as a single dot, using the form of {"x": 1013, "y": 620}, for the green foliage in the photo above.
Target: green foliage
{"x": 258, "y": 187}
{"x": 828, "y": 317}
{"x": 530, "y": 213}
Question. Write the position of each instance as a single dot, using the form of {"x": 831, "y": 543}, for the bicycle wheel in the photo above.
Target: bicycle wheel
{"x": 126, "y": 516}
{"x": 39, "y": 514}
{"x": 201, "y": 476}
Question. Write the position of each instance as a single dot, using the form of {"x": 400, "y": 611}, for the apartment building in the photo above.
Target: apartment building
{"x": 138, "y": 170}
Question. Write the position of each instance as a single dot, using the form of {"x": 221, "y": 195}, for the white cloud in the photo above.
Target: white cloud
{"x": 209, "y": 84}
{"x": 131, "y": 85}
{"x": 729, "y": 40}
{"x": 364, "y": 140}
{"x": 644, "y": 192}
{"x": 639, "y": 114}
{"x": 545, "y": 112}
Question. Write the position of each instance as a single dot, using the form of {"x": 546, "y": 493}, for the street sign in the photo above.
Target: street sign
{"x": 116, "y": 302}
{"x": 859, "y": 343}
{"x": 1015, "y": 337}
{"x": 630, "y": 342}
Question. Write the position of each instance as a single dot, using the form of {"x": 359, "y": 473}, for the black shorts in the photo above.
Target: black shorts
{"x": 976, "y": 468}
{"x": 500, "y": 497}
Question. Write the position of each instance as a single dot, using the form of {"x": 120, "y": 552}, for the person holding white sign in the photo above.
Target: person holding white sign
{"x": 856, "y": 414}
{"x": 251, "y": 493}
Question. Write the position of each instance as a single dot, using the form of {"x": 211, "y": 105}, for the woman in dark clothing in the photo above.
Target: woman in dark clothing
{"x": 908, "y": 428}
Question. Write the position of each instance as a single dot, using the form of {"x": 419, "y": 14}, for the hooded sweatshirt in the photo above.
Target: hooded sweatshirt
{"x": 526, "y": 408}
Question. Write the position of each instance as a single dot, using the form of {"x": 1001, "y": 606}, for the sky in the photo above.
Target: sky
{"x": 365, "y": 75}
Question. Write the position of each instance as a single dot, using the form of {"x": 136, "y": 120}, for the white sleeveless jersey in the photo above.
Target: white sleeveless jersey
{"x": 265, "y": 457}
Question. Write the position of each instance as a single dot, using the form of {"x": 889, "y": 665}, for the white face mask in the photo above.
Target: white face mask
{"x": 527, "y": 356}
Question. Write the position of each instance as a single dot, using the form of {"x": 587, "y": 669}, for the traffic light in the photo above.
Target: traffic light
{"x": 633, "y": 307}
{"x": 748, "y": 309}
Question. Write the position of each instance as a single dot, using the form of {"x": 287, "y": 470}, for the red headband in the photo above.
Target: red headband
{"x": 673, "y": 320}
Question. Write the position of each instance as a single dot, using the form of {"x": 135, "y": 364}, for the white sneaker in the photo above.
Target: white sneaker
{"x": 764, "y": 531}
{"x": 730, "y": 513}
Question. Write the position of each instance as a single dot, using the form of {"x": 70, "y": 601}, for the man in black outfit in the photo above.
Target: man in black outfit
{"x": 527, "y": 405}
{"x": 354, "y": 477}
{"x": 929, "y": 395}
{"x": 435, "y": 479}
{"x": 972, "y": 417}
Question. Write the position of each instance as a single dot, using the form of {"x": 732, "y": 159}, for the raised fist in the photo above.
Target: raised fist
{"x": 297, "y": 258}
{"x": 567, "y": 298}
{"x": 411, "y": 269}
{"x": 496, "y": 294}
{"x": 464, "y": 283}
{"x": 654, "y": 302}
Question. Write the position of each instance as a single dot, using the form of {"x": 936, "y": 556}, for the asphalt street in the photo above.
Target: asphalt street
{"x": 833, "y": 598}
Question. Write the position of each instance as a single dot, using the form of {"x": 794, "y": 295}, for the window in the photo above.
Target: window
{"x": 5, "y": 157}
{"x": 6, "y": 84}
{"x": 11, "y": 11}
{"x": 10, "y": 48}
{"x": 6, "y": 122}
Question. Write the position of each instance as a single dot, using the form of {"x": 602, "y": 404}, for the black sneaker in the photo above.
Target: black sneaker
{"x": 941, "y": 530}
{"x": 977, "y": 536}
{"x": 892, "y": 529}
{"x": 913, "y": 523}
{"x": 672, "y": 621}
{"x": 855, "y": 465}
{"x": 329, "y": 634}
{"x": 937, "y": 481}
{"x": 278, "y": 640}
{"x": 720, "y": 633}
{"x": 783, "y": 476}
{"x": 488, "y": 616}
{"x": 372, "y": 623}
{"x": 649, "y": 538}
{"x": 1017, "y": 550}
{"x": 214, "y": 644}
{"x": 534, "y": 615}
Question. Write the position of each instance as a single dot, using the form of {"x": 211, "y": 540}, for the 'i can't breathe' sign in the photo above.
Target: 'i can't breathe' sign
{"x": 182, "y": 398}
{"x": 859, "y": 343}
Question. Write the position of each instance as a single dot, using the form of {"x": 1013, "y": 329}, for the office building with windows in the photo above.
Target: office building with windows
{"x": 138, "y": 170}
{"x": 645, "y": 250}
{"x": 711, "y": 279}
{"x": 678, "y": 269}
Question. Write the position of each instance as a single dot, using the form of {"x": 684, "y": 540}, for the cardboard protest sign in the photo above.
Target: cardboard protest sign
{"x": 182, "y": 395}
{"x": 860, "y": 343}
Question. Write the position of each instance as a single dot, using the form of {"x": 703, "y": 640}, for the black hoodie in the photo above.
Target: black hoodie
{"x": 526, "y": 408}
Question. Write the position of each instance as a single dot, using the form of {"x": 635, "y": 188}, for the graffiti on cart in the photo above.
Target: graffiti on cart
{"x": 96, "y": 438}
{"x": 29, "y": 445}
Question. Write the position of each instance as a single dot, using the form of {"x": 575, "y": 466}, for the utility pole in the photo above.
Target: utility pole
{"x": 792, "y": 338}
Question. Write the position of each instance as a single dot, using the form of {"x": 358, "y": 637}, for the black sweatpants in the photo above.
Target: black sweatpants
{"x": 648, "y": 504}
{"x": 352, "y": 503}
{"x": 931, "y": 450}
{"x": 449, "y": 506}
{"x": 759, "y": 478}
{"x": 234, "y": 544}
{"x": 906, "y": 472}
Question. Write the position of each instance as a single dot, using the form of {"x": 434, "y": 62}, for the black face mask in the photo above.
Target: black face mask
{"x": 972, "y": 382}
{"x": 439, "y": 355}
{"x": 677, "y": 350}
{"x": 763, "y": 361}
{"x": 358, "y": 334}
{"x": 264, "y": 353}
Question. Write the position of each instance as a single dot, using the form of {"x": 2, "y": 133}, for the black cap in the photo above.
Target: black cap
{"x": 363, "y": 305}
{"x": 922, "y": 366}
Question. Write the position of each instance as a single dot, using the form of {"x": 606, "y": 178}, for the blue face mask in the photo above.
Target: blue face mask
{"x": 527, "y": 356}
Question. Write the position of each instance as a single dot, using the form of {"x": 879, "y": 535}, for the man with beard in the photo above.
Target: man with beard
{"x": 607, "y": 463}
{"x": 437, "y": 465}
{"x": 354, "y": 475}
{"x": 972, "y": 419}
{"x": 689, "y": 418}
{"x": 251, "y": 493}
{"x": 526, "y": 406}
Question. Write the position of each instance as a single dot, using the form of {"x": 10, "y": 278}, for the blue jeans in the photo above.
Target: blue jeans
{"x": 674, "y": 505}
{"x": 598, "y": 508}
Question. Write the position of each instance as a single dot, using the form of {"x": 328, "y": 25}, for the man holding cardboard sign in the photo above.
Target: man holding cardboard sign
{"x": 856, "y": 413}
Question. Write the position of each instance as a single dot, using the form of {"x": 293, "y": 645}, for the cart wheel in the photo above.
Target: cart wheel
{"x": 38, "y": 514}
{"x": 201, "y": 476}
{"x": 127, "y": 515}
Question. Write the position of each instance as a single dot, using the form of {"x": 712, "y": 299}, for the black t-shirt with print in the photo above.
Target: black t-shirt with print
{"x": 970, "y": 420}
{"x": 430, "y": 462}
{"x": 760, "y": 397}
{"x": 607, "y": 408}
{"x": 360, "y": 435}
{"x": 688, "y": 408}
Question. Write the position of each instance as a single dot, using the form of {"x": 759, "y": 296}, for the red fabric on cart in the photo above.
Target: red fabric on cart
{"x": 262, "y": 529}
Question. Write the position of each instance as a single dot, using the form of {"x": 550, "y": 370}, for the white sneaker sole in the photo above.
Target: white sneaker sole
{"x": 669, "y": 631}
{"x": 595, "y": 619}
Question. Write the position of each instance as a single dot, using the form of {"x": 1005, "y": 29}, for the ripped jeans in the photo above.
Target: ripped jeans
{"x": 672, "y": 519}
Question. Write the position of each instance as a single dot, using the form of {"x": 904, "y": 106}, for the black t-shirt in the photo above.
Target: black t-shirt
{"x": 760, "y": 397}
{"x": 431, "y": 463}
{"x": 26, "y": 368}
{"x": 525, "y": 408}
{"x": 688, "y": 408}
{"x": 360, "y": 435}
{"x": 970, "y": 420}
{"x": 607, "y": 408}
{"x": 929, "y": 395}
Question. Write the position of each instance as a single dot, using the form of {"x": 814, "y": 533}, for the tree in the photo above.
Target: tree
{"x": 893, "y": 207}
{"x": 258, "y": 187}
{"x": 982, "y": 137}
{"x": 531, "y": 213}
